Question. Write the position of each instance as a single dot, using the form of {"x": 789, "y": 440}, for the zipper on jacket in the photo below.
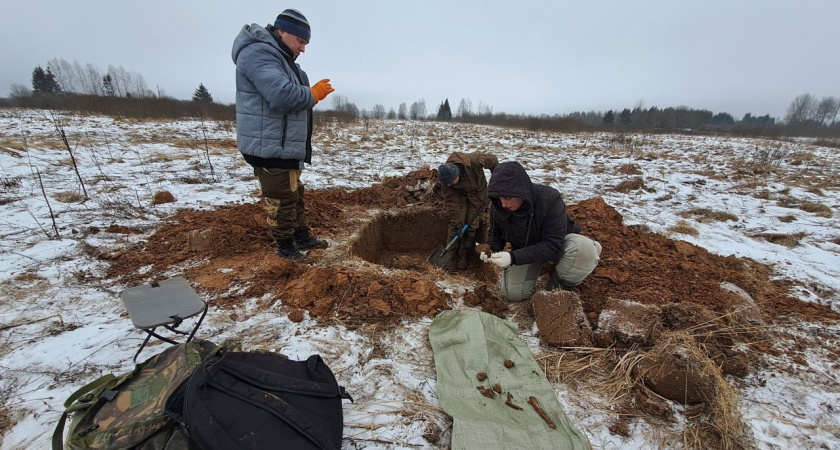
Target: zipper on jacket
{"x": 283, "y": 134}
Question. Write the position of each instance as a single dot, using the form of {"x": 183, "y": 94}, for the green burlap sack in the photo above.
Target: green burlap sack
{"x": 469, "y": 343}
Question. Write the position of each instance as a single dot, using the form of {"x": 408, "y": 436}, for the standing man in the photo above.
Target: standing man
{"x": 464, "y": 193}
{"x": 274, "y": 122}
{"x": 532, "y": 218}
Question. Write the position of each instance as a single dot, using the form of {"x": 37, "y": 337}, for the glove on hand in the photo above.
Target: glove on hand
{"x": 501, "y": 259}
{"x": 321, "y": 89}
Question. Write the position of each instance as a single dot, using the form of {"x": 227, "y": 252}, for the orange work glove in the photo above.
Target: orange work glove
{"x": 321, "y": 89}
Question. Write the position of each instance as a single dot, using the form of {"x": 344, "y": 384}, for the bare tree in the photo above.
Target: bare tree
{"x": 19, "y": 91}
{"x": 403, "y": 114}
{"x": 342, "y": 105}
{"x": 63, "y": 72}
{"x": 138, "y": 87}
{"x": 827, "y": 110}
{"x": 802, "y": 108}
{"x": 465, "y": 108}
{"x": 92, "y": 80}
{"x": 378, "y": 112}
{"x": 417, "y": 110}
{"x": 119, "y": 78}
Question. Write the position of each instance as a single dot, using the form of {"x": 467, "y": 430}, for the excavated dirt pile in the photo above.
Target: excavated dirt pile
{"x": 376, "y": 271}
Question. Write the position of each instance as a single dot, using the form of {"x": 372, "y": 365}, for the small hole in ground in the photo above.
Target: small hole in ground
{"x": 404, "y": 240}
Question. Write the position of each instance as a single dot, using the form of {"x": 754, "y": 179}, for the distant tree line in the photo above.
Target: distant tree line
{"x": 806, "y": 112}
{"x": 86, "y": 87}
{"x": 62, "y": 76}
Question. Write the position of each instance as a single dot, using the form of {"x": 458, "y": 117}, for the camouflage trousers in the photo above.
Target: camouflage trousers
{"x": 283, "y": 194}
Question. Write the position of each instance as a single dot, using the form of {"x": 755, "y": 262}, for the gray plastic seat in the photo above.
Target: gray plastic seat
{"x": 163, "y": 304}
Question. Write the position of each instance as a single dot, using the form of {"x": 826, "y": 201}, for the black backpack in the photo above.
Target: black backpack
{"x": 245, "y": 400}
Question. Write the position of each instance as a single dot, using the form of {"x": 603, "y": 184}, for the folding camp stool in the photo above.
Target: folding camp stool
{"x": 163, "y": 304}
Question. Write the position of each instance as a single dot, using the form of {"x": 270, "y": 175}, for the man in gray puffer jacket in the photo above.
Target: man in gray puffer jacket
{"x": 533, "y": 219}
{"x": 274, "y": 122}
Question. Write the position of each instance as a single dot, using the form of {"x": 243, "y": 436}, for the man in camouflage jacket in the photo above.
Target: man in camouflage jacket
{"x": 464, "y": 193}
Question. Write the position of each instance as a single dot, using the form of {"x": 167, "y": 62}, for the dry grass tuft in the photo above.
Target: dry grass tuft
{"x": 708, "y": 215}
{"x": 763, "y": 194}
{"x": 816, "y": 208}
{"x": 629, "y": 185}
{"x": 787, "y": 219}
{"x": 614, "y": 375}
{"x": 833, "y": 143}
{"x": 68, "y": 197}
{"x": 5, "y": 421}
{"x": 682, "y": 227}
{"x": 629, "y": 169}
{"x": 788, "y": 240}
{"x": 722, "y": 426}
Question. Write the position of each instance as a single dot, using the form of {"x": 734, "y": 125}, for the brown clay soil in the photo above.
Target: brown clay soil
{"x": 376, "y": 269}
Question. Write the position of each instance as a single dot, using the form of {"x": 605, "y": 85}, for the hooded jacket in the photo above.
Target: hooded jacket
{"x": 536, "y": 230}
{"x": 472, "y": 184}
{"x": 273, "y": 101}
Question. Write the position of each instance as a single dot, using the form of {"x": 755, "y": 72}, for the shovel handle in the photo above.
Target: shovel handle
{"x": 464, "y": 228}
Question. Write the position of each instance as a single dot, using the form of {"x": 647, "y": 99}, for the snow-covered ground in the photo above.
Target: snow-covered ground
{"x": 63, "y": 324}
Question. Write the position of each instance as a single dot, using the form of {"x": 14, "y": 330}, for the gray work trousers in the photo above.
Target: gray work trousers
{"x": 580, "y": 257}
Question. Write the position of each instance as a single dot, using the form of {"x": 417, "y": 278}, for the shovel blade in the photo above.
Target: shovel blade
{"x": 440, "y": 257}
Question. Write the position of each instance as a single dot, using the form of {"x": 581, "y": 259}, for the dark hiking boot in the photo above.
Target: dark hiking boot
{"x": 459, "y": 261}
{"x": 286, "y": 249}
{"x": 554, "y": 283}
{"x": 453, "y": 267}
{"x": 464, "y": 250}
{"x": 305, "y": 241}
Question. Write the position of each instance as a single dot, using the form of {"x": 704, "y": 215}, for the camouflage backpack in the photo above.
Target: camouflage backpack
{"x": 127, "y": 411}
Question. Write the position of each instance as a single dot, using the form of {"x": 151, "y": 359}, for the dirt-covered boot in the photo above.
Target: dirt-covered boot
{"x": 452, "y": 264}
{"x": 305, "y": 241}
{"x": 467, "y": 247}
{"x": 286, "y": 249}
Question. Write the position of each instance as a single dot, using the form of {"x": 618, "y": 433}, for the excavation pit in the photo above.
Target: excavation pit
{"x": 405, "y": 239}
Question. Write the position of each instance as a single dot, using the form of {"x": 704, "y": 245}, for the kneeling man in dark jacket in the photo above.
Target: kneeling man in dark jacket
{"x": 532, "y": 218}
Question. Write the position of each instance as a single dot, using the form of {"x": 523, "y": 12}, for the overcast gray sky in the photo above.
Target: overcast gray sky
{"x": 530, "y": 57}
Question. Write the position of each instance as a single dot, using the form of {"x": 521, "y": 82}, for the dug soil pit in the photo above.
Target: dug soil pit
{"x": 405, "y": 239}
{"x": 375, "y": 269}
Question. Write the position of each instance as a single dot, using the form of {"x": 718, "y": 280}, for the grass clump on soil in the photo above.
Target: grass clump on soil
{"x": 816, "y": 208}
{"x": 629, "y": 169}
{"x": 708, "y": 215}
{"x": 682, "y": 227}
{"x": 5, "y": 421}
{"x": 629, "y": 185}
{"x": 623, "y": 379}
{"x": 788, "y": 240}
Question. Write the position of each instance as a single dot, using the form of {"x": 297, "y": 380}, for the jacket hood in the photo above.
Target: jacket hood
{"x": 251, "y": 34}
{"x": 509, "y": 179}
